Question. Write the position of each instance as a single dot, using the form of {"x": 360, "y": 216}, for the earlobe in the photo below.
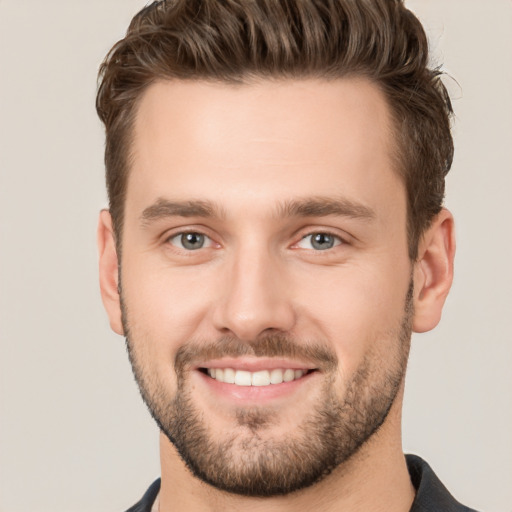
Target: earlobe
{"x": 109, "y": 271}
{"x": 433, "y": 272}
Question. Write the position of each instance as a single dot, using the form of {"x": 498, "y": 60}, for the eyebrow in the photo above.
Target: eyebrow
{"x": 320, "y": 206}
{"x": 317, "y": 206}
{"x": 164, "y": 208}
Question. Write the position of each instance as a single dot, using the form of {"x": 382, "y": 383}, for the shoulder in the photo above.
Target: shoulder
{"x": 431, "y": 494}
{"x": 146, "y": 502}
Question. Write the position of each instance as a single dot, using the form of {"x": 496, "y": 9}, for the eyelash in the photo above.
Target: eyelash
{"x": 338, "y": 240}
{"x": 191, "y": 232}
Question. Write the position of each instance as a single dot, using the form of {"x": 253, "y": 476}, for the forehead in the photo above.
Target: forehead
{"x": 279, "y": 137}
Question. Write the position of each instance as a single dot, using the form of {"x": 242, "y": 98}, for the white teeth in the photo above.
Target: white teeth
{"x": 276, "y": 376}
{"x": 229, "y": 375}
{"x": 259, "y": 378}
{"x": 288, "y": 375}
{"x": 242, "y": 378}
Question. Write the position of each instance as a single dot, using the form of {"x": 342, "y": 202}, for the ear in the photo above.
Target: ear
{"x": 433, "y": 272}
{"x": 109, "y": 271}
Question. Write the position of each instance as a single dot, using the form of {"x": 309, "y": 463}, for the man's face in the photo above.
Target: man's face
{"x": 265, "y": 244}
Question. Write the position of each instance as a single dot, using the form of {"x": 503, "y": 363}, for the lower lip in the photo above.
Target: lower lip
{"x": 255, "y": 394}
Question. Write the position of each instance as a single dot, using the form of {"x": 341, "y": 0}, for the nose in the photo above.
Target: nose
{"x": 255, "y": 298}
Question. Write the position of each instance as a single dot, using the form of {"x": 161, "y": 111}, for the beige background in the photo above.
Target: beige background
{"x": 74, "y": 434}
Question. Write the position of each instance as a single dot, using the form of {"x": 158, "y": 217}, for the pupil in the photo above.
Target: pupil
{"x": 192, "y": 240}
{"x": 322, "y": 241}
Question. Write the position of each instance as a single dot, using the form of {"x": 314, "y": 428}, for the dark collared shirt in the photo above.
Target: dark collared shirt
{"x": 431, "y": 494}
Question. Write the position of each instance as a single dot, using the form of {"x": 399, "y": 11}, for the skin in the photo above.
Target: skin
{"x": 249, "y": 149}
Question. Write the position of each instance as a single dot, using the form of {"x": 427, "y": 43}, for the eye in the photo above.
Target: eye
{"x": 190, "y": 241}
{"x": 319, "y": 241}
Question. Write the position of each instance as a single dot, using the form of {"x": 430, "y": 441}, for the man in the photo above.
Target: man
{"x": 276, "y": 172}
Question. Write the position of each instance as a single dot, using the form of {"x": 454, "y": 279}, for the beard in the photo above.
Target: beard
{"x": 247, "y": 460}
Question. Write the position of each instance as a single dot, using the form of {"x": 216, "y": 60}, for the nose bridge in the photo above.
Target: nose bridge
{"x": 254, "y": 296}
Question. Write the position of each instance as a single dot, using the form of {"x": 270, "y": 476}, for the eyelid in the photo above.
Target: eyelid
{"x": 208, "y": 241}
{"x": 177, "y": 232}
{"x": 343, "y": 237}
{"x": 337, "y": 241}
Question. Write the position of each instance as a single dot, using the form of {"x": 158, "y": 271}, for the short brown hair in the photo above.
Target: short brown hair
{"x": 237, "y": 40}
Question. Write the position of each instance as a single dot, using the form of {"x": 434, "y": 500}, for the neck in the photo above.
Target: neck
{"x": 376, "y": 478}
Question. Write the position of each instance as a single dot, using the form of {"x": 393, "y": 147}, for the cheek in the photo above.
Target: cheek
{"x": 355, "y": 310}
{"x": 167, "y": 303}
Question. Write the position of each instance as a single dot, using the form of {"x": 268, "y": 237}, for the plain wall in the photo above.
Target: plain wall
{"x": 74, "y": 434}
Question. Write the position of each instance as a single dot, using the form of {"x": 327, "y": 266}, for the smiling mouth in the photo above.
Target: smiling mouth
{"x": 258, "y": 378}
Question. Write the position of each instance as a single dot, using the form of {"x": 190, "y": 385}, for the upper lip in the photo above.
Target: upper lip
{"x": 255, "y": 364}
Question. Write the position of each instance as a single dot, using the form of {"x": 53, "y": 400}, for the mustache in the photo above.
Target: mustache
{"x": 273, "y": 345}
